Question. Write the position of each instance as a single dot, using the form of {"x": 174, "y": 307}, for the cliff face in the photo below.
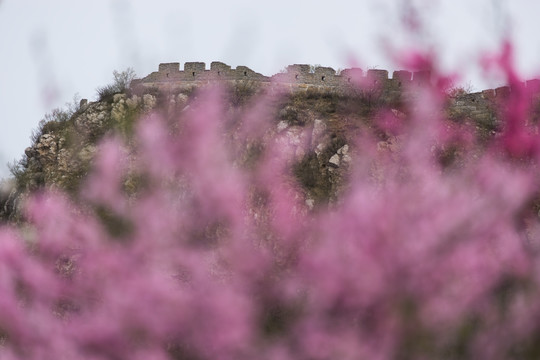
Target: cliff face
{"x": 323, "y": 117}
{"x": 62, "y": 151}
{"x": 63, "y": 147}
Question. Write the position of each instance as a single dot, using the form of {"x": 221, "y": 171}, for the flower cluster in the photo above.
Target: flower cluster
{"x": 210, "y": 259}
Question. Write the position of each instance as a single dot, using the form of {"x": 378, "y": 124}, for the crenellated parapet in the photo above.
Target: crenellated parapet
{"x": 328, "y": 77}
{"x": 195, "y": 73}
{"x": 484, "y": 105}
{"x": 301, "y": 77}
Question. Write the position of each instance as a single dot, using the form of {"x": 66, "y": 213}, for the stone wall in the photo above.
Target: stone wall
{"x": 195, "y": 73}
{"x": 298, "y": 74}
{"x": 484, "y": 105}
{"x": 479, "y": 105}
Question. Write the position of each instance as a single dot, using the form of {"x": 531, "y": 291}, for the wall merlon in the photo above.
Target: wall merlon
{"x": 244, "y": 71}
{"x": 489, "y": 94}
{"x": 422, "y": 77}
{"x": 219, "y": 66}
{"x": 377, "y": 75}
{"x": 194, "y": 68}
{"x": 300, "y": 69}
{"x": 325, "y": 71}
{"x": 402, "y": 75}
{"x": 296, "y": 73}
{"x": 502, "y": 91}
{"x": 354, "y": 72}
{"x": 169, "y": 67}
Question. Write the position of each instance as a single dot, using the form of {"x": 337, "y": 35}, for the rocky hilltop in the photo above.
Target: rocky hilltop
{"x": 318, "y": 99}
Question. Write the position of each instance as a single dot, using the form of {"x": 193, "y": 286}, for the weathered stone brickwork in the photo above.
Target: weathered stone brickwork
{"x": 195, "y": 73}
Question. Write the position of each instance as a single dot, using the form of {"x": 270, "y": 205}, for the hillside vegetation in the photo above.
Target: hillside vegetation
{"x": 65, "y": 141}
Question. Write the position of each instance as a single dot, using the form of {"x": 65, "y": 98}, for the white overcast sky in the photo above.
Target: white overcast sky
{"x": 51, "y": 50}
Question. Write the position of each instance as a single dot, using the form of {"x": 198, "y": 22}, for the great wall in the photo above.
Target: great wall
{"x": 298, "y": 77}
